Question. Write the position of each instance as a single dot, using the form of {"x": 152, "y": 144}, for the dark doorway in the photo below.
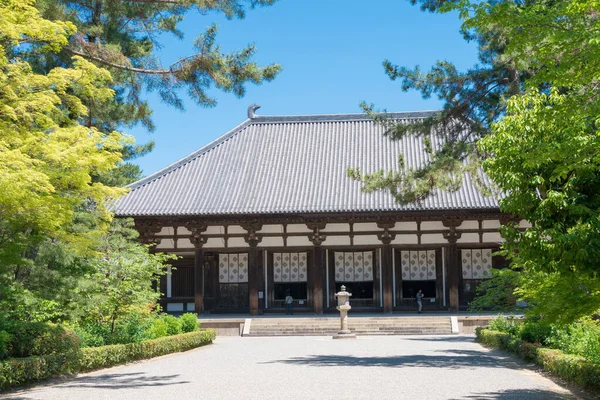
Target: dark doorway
{"x": 296, "y": 289}
{"x": 410, "y": 289}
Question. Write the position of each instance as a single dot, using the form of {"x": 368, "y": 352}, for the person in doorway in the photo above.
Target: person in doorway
{"x": 288, "y": 303}
{"x": 420, "y": 296}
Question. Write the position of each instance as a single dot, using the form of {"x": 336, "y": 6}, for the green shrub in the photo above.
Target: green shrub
{"x": 158, "y": 329}
{"x": 508, "y": 325}
{"x": 189, "y": 322}
{"x": 571, "y": 367}
{"x": 173, "y": 324}
{"x": 38, "y": 338}
{"x": 15, "y": 372}
{"x": 5, "y": 344}
{"x": 581, "y": 338}
{"x": 535, "y": 332}
{"x": 108, "y": 356}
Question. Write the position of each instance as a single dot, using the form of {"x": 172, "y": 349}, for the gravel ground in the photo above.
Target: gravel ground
{"x": 375, "y": 367}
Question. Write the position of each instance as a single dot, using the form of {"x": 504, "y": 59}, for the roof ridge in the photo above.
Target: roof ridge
{"x": 189, "y": 157}
{"x": 341, "y": 117}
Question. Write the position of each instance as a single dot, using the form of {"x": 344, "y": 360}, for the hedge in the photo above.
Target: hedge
{"x": 19, "y": 371}
{"x": 572, "y": 368}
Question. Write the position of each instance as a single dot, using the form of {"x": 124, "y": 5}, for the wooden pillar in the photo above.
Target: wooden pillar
{"x": 453, "y": 272}
{"x": 386, "y": 278}
{"x": 386, "y": 264}
{"x": 253, "y": 278}
{"x": 453, "y": 267}
{"x": 199, "y": 281}
{"x": 316, "y": 275}
{"x": 253, "y": 264}
{"x": 318, "y": 265}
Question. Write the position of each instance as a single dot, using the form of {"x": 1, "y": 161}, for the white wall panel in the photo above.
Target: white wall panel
{"x": 469, "y": 225}
{"x": 271, "y": 229}
{"x": 468, "y": 238}
{"x": 166, "y": 244}
{"x": 337, "y": 241}
{"x": 406, "y": 226}
{"x": 174, "y": 307}
{"x": 491, "y": 224}
{"x": 166, "y": 231}
{"x": 366, "y": 240}
{"x": 271, "y": 242}
{"x": 433, "y": 238}
{"x": 214, "y": 230}
{"x": 366, "y": 226}
{"x": 233, "y": 229}
{"x": 298, "y": 241}
{"x": 524, "y": 224}
{"x": 432, "y": 225}
{"x": 214, "y": 243}
{"x": 298, "y": 228}
{"x": 237, "y": 242}
{"x": 336, "y": 228}
{"x": 181, "y": 230}
{"x": 406, "y": 239}
{"x": 492, "y": 237}
{"x": 184, "y": 243}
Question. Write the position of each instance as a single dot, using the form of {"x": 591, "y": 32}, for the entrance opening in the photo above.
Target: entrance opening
{"x": 359, "y": 290}
{"x": 297, "y": 290}
{"x": 410, "y": 289}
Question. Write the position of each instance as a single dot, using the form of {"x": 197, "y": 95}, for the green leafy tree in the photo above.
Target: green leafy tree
{"x": 121, "y": 279}
{"x": 544, "y": 153}
{"x": 124, "y": 36}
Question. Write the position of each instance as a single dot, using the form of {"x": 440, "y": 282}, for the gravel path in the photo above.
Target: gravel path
{"x": 288, "y": 368}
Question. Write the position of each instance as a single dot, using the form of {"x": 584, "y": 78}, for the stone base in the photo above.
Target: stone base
{"x": 344, "y": 336}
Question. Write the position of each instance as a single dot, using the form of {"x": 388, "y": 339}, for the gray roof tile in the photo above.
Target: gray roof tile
{"x": 289, "y": 164}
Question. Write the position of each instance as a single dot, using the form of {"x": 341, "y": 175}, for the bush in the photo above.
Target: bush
{"x": 535, "y": 332}
{"x": 173, "y": 324}
{"x": 5, "y": 344}
{"x": 158, "y": 329}
{"x": 571, "y": 367}
{"x": 15, "y": 372}
{"x": 581, "y": 338}
{"x": 189, "y": 322}
{"x": 108, "y": 356}
{"x": 38, "y": 338}
{"x": 508, "y": 325}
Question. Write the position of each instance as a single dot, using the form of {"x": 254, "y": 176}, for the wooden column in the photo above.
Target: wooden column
{"x": 199, "y": 281}
{"x": 318, "y": 265}
{"x": 253, "y": 264}
{"x": 196, "y": 228}
{"x": 253, "y": 279}
{"x": 386, "y": 265}
{"x": 453, "y": 271}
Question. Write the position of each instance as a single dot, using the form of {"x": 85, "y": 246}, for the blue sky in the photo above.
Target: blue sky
{"x": 331, "y": 52}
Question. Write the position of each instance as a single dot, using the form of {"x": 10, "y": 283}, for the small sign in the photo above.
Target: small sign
{"x": 432, "y": 300}
{"x": 261, "y": 295}
{"x": 301, "y": 302}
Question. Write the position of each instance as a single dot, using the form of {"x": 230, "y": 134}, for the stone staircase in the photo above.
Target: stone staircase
{"x": 436, "y": 325}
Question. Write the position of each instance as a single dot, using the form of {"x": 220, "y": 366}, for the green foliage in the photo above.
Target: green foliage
{"x": 535, "y": 332}
{"x": 19, "y": 371}
{"x": 509, "y": 325}
{"x": 189, "y": 322}
{"x": 5, "y": 344}
{"x": 159, "y": 328}
{"x": 37, "y": 338}
{"x": 573, "y": 368}
{"x": 580, "y": 338}
{"x": 497, "y": 293}
{"x": 173, "y": 324}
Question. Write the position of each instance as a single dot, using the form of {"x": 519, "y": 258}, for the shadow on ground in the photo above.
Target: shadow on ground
{"x": 456, "y": 359}
{"x": 122, "y": 381}
{"x": 450, "y": 339}
{"x": 520, "y": 394}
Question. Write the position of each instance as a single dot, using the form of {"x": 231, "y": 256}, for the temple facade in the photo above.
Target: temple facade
{"x": 268, "y": 209}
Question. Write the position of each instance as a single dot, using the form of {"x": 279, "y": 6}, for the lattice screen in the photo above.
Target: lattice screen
{"x": 476, "y": 263}
{"x": 233, "y": 268}
{"x": 418, "y": 265}
{"x": 289, "y": 267}
{"x": 354, "y": 267}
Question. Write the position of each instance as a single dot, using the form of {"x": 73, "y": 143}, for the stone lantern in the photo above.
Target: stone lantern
{"x": 343, "y": 300}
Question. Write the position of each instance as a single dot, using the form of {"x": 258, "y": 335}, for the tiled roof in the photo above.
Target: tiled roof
{"x": 290, "y": 164}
